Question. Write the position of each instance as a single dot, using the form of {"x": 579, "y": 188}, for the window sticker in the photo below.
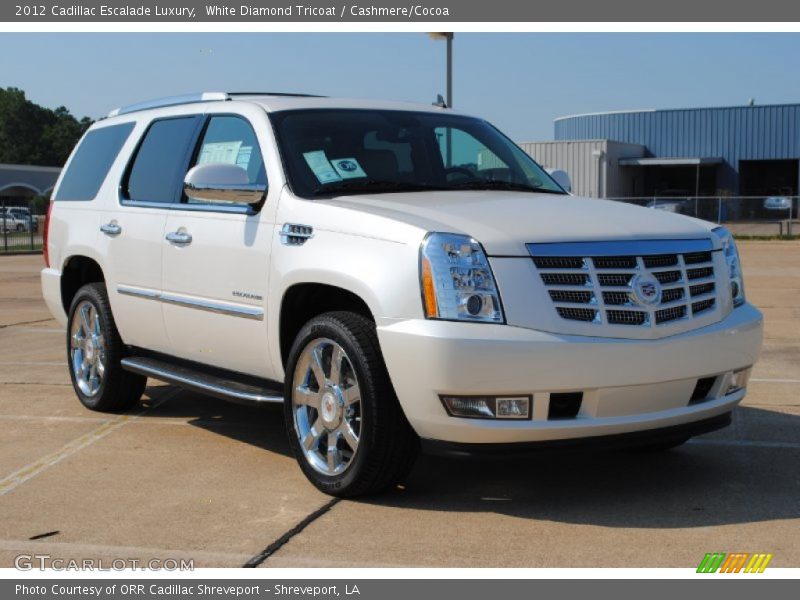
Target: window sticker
{"x": 243, "y": 157}
{"x": 321, "y": 166}
{"x": 348, "y": 168}
{"x": 219, "y": 152}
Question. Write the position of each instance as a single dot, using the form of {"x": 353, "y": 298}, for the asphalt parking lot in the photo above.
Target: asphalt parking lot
{"x": 184, "y": 476}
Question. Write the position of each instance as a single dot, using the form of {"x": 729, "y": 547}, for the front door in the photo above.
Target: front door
{"x": 216, "y": 263}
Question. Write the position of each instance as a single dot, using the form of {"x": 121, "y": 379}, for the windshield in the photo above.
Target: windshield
{"x": 340, "y": 152}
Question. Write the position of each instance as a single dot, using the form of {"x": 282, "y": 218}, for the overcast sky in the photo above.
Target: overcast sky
{"x": 520, "y": 82}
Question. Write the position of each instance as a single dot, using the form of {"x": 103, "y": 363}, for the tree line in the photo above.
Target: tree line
{"x": 34, "y": 135}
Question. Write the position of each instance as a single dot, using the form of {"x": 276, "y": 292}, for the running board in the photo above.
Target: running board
{"x": 218, "y": 386}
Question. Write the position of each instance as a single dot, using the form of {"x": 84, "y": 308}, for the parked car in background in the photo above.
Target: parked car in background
{"x": 672, "y": 205}
{"x": 23, "y": 213}
{"x": 777, "y": 203}
{"x": 9, "y": 222}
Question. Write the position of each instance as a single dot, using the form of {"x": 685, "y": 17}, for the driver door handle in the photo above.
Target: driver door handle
{"x": 111, "y": 229}
{"x": 179, "y": 238}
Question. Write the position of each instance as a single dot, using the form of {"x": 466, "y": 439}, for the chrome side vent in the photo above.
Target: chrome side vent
{"x": 293, "y": 234}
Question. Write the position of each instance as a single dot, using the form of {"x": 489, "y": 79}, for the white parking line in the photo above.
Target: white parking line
{"x": 66, "y": 419}
{"x": 747, "y": 443}
{"x": 17, "y": 478}
{"x": 767, "y": 380}
{"x": 33, "y": 363}
{"x": 52, "y": 418}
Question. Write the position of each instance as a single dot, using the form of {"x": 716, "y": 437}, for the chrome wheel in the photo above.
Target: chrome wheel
{"x": 87, "y": 351}
{"x": 326, "y": 406}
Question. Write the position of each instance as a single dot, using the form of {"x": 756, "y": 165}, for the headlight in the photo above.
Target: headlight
{"x": 457, "y": 282}
{"x": 734, "y": 265}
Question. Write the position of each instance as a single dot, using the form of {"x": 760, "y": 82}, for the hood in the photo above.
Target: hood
{"x": 505, "y": 221}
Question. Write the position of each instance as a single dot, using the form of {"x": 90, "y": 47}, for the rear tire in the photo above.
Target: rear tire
{"x": 94, "y": 351}
{"x": 346, "y": 427}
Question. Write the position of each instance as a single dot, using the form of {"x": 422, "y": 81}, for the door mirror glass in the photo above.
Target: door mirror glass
{"x": 222, "y": 182}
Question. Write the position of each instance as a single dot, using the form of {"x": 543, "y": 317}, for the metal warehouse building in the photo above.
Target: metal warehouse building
{"x": 730, "y": 151}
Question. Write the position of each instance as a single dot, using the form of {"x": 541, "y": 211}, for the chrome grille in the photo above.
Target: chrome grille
{"x": 615, "y": 280}
{"x": 577, "y": 314}
{"x": 570, "y": 296}
{"x": 617, "y": 288}
{"x": 672, "y": 295}
{"x": 670, "y": 314}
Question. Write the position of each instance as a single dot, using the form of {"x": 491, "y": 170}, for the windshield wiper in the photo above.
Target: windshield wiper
{"x": 493, "y": 184}
{"x": 365, "y": 186}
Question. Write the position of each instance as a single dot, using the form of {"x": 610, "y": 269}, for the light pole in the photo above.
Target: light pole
{"x": 448, "y": 37}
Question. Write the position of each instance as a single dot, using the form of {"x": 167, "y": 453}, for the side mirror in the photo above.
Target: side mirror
{"x": 562, "y": 178}
{"x": 220, "y": 182}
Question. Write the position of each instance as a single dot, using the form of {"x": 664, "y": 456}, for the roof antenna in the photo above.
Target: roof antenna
{"x": 440, "y": 101}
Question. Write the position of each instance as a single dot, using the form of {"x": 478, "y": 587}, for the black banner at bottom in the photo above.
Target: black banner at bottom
{"x": 728, "y": 587}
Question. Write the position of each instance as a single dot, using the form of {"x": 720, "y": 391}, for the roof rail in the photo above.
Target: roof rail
{"x": 170, "y": 101}
{"x": 283, "y": 94}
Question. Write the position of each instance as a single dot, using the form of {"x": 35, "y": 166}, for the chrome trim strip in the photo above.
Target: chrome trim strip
{"x": 236, "y": 209}
{"x": 621, "y": 248}
{"x": 160, "y": 371}
{"x": 245, "y": 312}
{"x": 128, "y": 290}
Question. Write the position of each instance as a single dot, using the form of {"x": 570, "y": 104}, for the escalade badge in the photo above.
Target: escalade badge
{"x": 646, "y": 290}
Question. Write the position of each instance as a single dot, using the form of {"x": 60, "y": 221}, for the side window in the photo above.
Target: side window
{"x": 157, "y": 171}
{"x": 94, "y": 157}
{"x": 231, "y": 140}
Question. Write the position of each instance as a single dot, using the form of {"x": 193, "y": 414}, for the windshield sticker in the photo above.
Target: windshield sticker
{"x": 321, "y": 166}
{"x": 219, "y": 152}
{"x": 348, "y": 168}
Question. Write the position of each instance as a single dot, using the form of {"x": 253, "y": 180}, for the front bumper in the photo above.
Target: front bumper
{"x": 627, "y": 385}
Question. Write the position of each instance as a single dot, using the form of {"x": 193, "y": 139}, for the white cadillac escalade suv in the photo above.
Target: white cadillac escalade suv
{"x": 397, "y": 276}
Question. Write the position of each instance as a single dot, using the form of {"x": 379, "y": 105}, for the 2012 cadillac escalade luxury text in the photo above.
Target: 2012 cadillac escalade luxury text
{"x": 395, "y": 275}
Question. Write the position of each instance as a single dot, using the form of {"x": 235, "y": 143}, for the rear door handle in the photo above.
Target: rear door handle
{"x": 179, "y": 238}
{"x": 111, "y": 229}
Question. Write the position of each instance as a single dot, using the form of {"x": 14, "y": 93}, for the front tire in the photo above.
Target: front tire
{"x": 94, "y": 351}
{"x": 346, "y": 427}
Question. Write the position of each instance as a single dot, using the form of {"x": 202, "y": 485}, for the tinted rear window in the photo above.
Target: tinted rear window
{"x": 94, "y": 157}
{"x": 161, "y": 161}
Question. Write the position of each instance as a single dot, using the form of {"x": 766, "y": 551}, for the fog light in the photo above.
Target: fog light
{"x": 488, "y": 407}
{"x": 738, "y": 380}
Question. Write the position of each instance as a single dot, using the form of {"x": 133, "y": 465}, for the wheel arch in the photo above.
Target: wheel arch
{"x": 303, "y": 301}
{"x": 77, "y": 271}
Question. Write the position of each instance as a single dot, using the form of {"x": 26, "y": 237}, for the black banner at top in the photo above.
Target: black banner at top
{"x": 349, "y": 11}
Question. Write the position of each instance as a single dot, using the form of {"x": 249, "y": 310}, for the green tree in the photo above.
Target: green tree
{"x": 35, "y": 135}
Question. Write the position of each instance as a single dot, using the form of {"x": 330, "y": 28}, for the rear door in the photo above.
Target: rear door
{"x": 216, "y": 261}
{"x": 134, "y": 231}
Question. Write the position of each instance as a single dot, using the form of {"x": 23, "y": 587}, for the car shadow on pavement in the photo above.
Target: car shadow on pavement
{"x": 720, "y": 478}
{"x": 711, "y": 481}
{"x": 260, "y": 426}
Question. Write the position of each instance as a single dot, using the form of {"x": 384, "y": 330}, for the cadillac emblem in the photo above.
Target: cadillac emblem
{"x": 646, "y": 290}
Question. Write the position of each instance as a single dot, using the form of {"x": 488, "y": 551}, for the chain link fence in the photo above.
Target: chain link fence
{"x": 21, "y": 224}
{"x": 743, "y": 215}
